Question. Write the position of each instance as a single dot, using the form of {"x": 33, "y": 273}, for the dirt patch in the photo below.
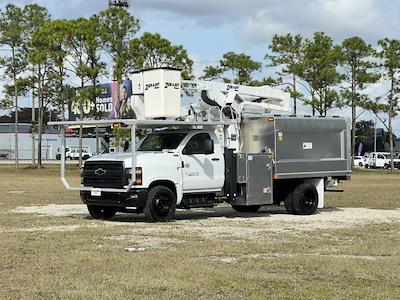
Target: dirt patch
{"x": 144, "y": 243}
{"x": 65, "y": 210}
{"x": 61, "y": 228}
{"x": 234, "y": 259}
{"x": 16, "y": 192}
{"x": 223, "y": 222}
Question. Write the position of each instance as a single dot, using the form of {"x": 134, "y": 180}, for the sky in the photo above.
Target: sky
{"x": 209, "y": 28}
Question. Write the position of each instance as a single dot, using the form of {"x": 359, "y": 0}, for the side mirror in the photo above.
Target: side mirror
{"x": 208, "y": 146}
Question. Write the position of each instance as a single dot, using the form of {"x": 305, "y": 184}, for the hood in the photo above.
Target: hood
{"x": 142, "y": 158}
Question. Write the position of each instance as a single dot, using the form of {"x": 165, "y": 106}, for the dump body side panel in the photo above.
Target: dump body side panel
{"x": 302, "y": 147}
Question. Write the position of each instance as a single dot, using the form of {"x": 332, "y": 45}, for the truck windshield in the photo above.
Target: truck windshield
{"x": 161, "y": 141}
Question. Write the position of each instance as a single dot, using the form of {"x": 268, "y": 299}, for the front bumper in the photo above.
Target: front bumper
{"x": 134, "y": 199}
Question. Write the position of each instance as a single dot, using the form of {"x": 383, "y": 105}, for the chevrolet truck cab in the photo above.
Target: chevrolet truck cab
{"x": 182, "y": 169}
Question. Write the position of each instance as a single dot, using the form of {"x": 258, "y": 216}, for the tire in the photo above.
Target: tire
{"x": 160, "y": 204}
{"x": 360, "y": 164}
{"x": 305, "y": 199}
{"x": 289, "y": 203}
{"x": 248, "y": 209}
{"x": 101, "y": 213}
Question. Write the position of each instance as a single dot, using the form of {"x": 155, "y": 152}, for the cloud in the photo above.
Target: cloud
{"x": 258, "y": 20}
{"x": 206, "y": 12}
{"x": 339, "y": 18}
{"x": 255, "y": 21}
{"x": 65, "y": 9}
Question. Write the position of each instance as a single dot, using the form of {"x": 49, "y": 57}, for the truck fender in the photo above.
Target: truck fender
{"x": 319, "y": 184}
{"x": 175, "y": 187}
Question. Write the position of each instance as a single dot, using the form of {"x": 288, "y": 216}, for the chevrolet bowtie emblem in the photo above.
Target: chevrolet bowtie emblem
{"x": 100, "y": 172}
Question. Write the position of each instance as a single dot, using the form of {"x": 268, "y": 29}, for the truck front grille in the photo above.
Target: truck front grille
{"x": 104, "y": 174}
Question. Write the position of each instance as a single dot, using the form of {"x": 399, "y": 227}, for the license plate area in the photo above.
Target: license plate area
{"x": 95, "y": 192}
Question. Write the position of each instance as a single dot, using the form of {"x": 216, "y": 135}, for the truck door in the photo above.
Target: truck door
{"x": 203, "y": 164}
{"x": 371, "y": 160}
{"x": 380, "y": 161}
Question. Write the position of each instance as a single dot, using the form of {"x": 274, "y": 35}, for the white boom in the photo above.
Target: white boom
{"x": 244, "y": 100}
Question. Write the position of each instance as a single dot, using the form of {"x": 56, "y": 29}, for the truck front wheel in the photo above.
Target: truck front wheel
{"x": 249, "y": 209}
{"x": 160, "y": 204}
{"x": 101, "y": 213}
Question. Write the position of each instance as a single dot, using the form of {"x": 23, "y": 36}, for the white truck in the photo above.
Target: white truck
{"x": 228, "y": 149}
{"x": 72, "y": 153}
{"x": 381, "y": 160}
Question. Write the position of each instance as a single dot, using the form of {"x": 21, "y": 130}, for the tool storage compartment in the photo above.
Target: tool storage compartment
{"x": 254, "y": 178}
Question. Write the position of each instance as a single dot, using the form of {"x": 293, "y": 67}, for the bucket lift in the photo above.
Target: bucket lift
{"x": 157, "y": 94}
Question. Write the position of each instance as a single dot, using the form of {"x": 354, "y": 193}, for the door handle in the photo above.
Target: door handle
{"x": 215, "y": 159}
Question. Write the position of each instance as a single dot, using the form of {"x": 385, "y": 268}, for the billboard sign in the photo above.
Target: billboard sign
{"x": 112, "y": 102}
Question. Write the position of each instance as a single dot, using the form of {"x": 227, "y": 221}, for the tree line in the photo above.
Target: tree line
{"x": 45, "y": 54}
{"x": 53, "y": 58}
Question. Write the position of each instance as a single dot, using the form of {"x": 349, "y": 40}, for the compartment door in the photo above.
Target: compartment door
{"x": 259, "y": 180}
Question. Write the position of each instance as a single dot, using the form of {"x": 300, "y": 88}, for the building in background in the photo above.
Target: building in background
{"x": 51, "y": 141}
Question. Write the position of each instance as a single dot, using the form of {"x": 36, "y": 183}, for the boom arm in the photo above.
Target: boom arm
{"x": 244, "y": 100}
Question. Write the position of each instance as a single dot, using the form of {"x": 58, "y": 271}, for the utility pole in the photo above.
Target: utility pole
{"x": 33, "y": 126}
{"x": 375, "y": 135}
{"x": 16, "y": 111}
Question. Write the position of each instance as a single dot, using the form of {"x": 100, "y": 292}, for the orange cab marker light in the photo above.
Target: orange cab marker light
{"x": 139, "y": 176}
{"x": 276, "y": 177}
{"x": 271, "y": 119}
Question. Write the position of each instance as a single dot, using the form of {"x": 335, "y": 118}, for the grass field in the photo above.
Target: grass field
{"x": 51, "y": 249}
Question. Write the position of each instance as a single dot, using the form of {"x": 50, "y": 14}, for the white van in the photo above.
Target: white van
{"x": 377, "y": 160}
{"x": 381, "y": 160}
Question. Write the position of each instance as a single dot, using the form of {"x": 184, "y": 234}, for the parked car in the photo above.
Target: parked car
{"x": 396, "y": 161}
{"x": 359, "y": 161}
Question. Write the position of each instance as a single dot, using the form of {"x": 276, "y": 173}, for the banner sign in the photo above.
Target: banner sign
{"x": 113, "y": 102}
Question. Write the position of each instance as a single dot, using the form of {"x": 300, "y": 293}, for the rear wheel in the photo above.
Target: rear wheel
{"x": 101, "y": 213}
{"x": 305, "y": 199}
{"x": 289, "y": 203}
{"x": 251, "y": 208}
{"x": 160, "y": 204}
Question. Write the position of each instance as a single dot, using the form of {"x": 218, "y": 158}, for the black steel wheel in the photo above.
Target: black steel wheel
{"x": 160, "y": 204}
{"x": 305, "y": 199}
{"x": 248, "y": 209}
{"x": 101, "y": 212}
